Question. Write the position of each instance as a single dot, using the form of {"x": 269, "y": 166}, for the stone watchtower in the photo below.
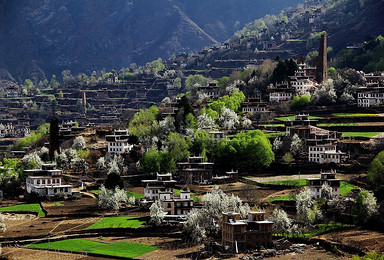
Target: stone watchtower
{"x": 321, "y": 60}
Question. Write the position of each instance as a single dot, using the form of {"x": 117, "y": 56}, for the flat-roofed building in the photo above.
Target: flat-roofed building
{"x": 46, "y": 181}
{"x": 243, "y": 234}
{"x": 118, "y": 142}
{"x": 329, "y": 177}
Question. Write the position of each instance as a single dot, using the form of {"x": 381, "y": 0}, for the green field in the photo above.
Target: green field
{"x": 353, "y": 115}
{"x": 298, "y": 182}
{"x": 118, "y": 222}
{"x": 337, "y": 124}
{"x": 285, "y": 118}
{"x": 281, "y": 198}
{"x": 25, "y": 207}
{"x": 134, "y": 194}
{"x": 129, "y": 194}
{"x": 119, "y": 249}
{"x": 195, "y": 198}
{"x": 321, "y": 229}
{"x": 360, "y": 134}
{"x": 346, "y": 188}
{"x": 274, "y": 134}
{"x": 273, "y": 125}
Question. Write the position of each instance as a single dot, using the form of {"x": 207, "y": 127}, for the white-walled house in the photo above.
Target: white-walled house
{"x": 162, "y": 184}
{"x": 315, "y": 184}
{"x": 118, "y": 142}
{"x": 46, "y": 181}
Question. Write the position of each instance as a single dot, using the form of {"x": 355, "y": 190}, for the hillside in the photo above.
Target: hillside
{"x": 298, "y": 29}
{"x": 40, "y": 38}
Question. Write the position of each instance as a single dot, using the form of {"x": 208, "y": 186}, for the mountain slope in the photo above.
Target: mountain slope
{"x": 40, "y": 38}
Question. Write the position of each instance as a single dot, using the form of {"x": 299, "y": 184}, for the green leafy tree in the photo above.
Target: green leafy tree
{"x": 192, "y": 80}
{"x": 365, "y": 207}
{"x": 156, "y": 66}
{"x": 249, "y": 150}
{"x": 376, "y": 174}
{"x": 177, "y": 147}
{"x": 141, "y": 124}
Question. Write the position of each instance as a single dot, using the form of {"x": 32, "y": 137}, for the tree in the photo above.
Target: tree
{"x": 3, "y": 227}
{"x": 303, "y": 207}
{"x": 79, "y": 143}
{"x": 297, "y": 145}
{"x": 100, "y": 164}
{"x": 32, "y": 161}
{"x": 249, "y": 150}
{"x": 287, "y": 158}
{"x": 157, "y": 213}
{"x": 281, "y": 221}
{"x": 177, "y": 147}
{"x": 228, "y": 119}
{"x": 110, "y": 199}
{"x": 325, "y": 94}
{"x": 131, "y": 200}
{"x": 107, "y": 200}
{"x": 192, "y": 80}
{"x": 299, "y": 102}
{"x": 365, "y": 207}
{"x": 79, "y": 165}
{"x": 326, "y": 192}
{"x": 207, "y": 220}
{"x": 157, "y": 161}
{"x": 376, "y": 174}
{"x": 205, "y": 121}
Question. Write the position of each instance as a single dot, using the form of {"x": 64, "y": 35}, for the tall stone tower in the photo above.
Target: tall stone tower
{"x": 321, "y": 61}
{"x": 84, "y": 103}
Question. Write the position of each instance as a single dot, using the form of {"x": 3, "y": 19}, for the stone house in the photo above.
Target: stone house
{"x": 244, "y": 234}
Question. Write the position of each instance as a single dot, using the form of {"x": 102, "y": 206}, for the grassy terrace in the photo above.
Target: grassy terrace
{"x": 195, "y": 198}
{"x": 321, "y": 229}
{"x": 285, "y": 118}
{"x": 298, "y": 182}
{"x": 337, "y": 124}
{"x": 274, "y": 134}
{"x": 360, "y": 134}
{"x": 119, "y": 249}
{"x": 129, "y": 194}
{"x": 353, "y": 115}
{"x": 118, "y": 222}
{"x": 345, "y": 188}
{"x": 272, "y": 125}
{"x": 25, "y": 207}
{"x": 281, "y": 198}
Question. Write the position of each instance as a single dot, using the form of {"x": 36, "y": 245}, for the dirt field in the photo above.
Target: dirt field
{"x": 365, "y": 240}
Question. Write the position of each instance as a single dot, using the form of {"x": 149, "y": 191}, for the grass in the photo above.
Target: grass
{"x": 321, "y": 229}
{"x": 118, "y": 222}
{"x": 134, "y": 194}
{"x": 195, "y": 198}
{"x": 346, "y": 188}
{"x": 119, "y": 249}
{"x": 25, "y": 207}
{"x": 337, "y": 124}
{"x": 58, "y": 204}
{"x": 298, "y": 182}
{"x": 273, "y": 125}
{"x": 326, "y": 228}
{"x": 353, "y": 115}
{"x": 285, "y": 118}
{"x": 360, "y": 134}
{"x": 274, "y": 134}
{"x": 281, "y": 198}
{"x": 129, "y": 194}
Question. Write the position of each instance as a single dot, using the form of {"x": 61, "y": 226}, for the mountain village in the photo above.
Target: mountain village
{"x": 244, "y": 150}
